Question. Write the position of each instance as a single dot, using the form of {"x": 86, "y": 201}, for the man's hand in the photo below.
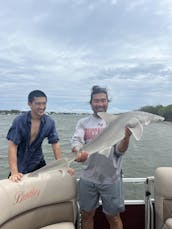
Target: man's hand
{"x": 123, "y": 145}
{"x": 71, "y": 171}
{"x": 16, "y": 177}
{"x": 128, "y": 133}
{"x": 82, "y": 156}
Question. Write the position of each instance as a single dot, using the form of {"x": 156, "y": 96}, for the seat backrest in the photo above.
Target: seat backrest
{"x": 37, "y": 201}
{"x": 163, "y": 195}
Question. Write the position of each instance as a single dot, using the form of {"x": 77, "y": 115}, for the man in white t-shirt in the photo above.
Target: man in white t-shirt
{"x": 101, "y": 176}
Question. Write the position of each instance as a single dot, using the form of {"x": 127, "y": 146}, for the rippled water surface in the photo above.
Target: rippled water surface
{"x": 141, "y": 159}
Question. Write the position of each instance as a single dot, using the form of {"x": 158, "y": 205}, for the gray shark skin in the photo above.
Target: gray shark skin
{"x": 111, "y": 135}
{"x": 115, "y": 130}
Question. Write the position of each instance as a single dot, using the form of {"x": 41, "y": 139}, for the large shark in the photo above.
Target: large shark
{"x": 112, "y": 134}
{"x": 115, "y": 129}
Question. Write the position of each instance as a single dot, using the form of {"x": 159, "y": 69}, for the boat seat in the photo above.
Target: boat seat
{"x": 42, "y": 200}
{"x": 163, "y": 197}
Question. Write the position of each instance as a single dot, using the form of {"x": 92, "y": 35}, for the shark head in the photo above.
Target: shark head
{"x": 147, "y": 118}
{"x": 133, "y": 120}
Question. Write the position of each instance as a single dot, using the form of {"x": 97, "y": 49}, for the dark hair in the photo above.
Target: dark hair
{"x": 96, "y": 90}
{"x": 35, "y": 93}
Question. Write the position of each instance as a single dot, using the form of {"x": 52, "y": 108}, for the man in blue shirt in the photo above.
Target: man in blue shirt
{"x": 26, "y": 135}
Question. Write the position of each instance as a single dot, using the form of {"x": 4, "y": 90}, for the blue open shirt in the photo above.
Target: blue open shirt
{"x": 29, "y": 155}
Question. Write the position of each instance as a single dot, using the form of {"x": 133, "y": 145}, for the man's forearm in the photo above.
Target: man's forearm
{"x": 12, "y": 158}
{"x": 123, "y": 145}
{"x": 57, "y": 150}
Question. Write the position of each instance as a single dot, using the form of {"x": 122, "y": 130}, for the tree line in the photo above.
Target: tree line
{"x": 165, "y": 111}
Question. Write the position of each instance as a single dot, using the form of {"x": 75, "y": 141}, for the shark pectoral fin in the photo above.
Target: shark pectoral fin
{"x": 137, "y": 131}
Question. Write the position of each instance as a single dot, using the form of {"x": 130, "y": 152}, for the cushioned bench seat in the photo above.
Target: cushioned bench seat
{"x": 43, "y": 199}
{"x": 163, "y": 197}
{"x": 66, "y": 225}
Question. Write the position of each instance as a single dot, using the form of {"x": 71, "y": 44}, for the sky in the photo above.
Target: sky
{"x": 64, "y": 47}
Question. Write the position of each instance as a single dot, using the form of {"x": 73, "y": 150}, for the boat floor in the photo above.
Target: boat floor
{"x": 132, "y": 218}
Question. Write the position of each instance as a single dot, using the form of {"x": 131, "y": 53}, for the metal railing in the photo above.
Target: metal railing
{"x": 147, "y": 200}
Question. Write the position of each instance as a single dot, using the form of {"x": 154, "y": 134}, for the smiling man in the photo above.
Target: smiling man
{"x": 26, "y": 135}
{"x": 101, "y": 176}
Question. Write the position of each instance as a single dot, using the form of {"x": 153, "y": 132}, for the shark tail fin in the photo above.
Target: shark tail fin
{"x": 60, "y": 164}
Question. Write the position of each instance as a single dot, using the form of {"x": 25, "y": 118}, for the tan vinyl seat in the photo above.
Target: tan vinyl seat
{"x": 44, "y": 200}
{"x": 163, "y": 197}
{"x": 60, "y": 226}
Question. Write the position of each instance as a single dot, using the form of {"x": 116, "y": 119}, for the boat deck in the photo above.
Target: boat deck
{"x": 138, "y": 212}
{"x": 132, "y": 218}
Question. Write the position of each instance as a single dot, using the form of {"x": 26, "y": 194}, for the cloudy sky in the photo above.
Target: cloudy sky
{"x": 64, "y": 47}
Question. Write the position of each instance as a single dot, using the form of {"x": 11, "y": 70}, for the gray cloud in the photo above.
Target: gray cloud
{"x": 66, "y": 46}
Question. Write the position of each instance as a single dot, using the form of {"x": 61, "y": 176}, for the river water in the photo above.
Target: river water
{"x": 142, "y": 158}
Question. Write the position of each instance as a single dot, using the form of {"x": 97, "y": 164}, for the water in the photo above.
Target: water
{"x": 142, "y": 158}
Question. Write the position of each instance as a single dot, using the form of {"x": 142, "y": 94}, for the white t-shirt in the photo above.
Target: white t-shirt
{"x": 97, "y": 168}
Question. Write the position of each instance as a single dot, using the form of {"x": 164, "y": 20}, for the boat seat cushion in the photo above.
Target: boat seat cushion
{"x": 163, "y": 197}
{"x": 168, "y": 224}
{"x": 42, "y": 199}
{"x": 63, "y": 225}
{"x": 167, "y": 209}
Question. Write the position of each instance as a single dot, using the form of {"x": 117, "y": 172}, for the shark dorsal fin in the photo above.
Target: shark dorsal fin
{"x": 107, "y": 117}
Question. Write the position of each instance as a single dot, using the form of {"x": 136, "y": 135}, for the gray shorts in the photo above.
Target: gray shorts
{"x": 111, "y": 195}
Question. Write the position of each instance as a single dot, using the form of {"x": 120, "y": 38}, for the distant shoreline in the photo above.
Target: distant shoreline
{"x": 5, "y": 112}
{"x": 165, "y": 111}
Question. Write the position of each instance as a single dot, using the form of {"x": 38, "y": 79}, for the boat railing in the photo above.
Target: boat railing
{"x": 147, "y": 200}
